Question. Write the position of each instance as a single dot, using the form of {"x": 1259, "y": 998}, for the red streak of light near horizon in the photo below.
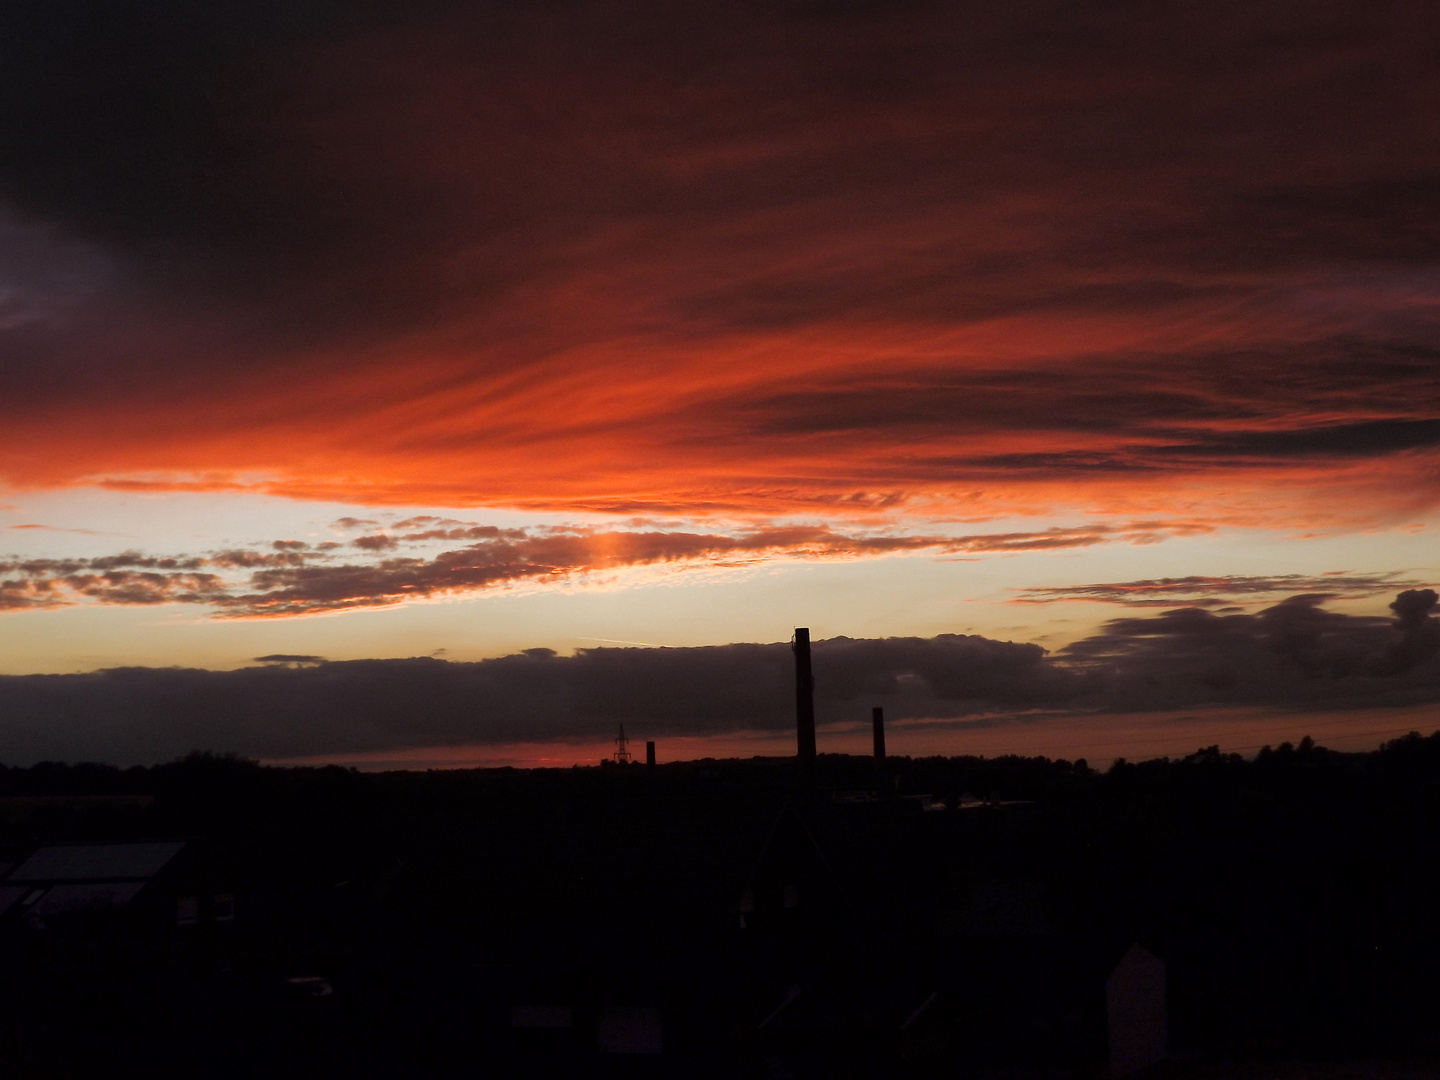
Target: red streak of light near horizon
{"x": 1098, "y": 739}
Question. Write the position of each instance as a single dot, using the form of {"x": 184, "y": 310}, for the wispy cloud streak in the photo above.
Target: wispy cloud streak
{"x": 295, "y": 578}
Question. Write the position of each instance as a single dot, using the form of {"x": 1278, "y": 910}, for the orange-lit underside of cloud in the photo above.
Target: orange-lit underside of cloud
{"x": 841, "y": 421}
{"x": 660, "y": 262}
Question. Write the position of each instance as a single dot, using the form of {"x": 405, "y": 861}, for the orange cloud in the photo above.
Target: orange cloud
{"x": 930, "y": 261}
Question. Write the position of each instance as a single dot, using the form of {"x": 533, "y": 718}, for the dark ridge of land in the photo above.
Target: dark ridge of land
{"x": 927, "y": 917}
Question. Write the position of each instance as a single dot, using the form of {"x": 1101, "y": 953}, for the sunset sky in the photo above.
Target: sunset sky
{"x": 1078, "y": 364}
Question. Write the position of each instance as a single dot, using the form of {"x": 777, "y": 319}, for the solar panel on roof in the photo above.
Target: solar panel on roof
{"x": 82, "y": 862}
{"x": 80, "y": 897}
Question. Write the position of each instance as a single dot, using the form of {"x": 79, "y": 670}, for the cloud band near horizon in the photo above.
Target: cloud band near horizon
{"x": 1294, "y": 655}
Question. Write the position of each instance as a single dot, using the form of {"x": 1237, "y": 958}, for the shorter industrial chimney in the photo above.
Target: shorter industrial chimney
{"x": 877, "y": 721}
{"x": 650, "y": 752}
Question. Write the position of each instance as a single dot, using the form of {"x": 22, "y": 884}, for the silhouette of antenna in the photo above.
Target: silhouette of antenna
{"x": 622, "y": 748}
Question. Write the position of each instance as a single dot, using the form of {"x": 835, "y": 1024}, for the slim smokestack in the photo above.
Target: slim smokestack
{"x": 877, "y": 721}
{"x": 804, "y": 708}
{"x": 649, "y": 751}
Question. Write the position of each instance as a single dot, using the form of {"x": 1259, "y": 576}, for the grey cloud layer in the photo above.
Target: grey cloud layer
{"x": 1292, "y": 655}
{"x": 1217, "y": 591}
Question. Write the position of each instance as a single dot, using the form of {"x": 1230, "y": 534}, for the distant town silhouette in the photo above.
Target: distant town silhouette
{"x": 814, "y": 916}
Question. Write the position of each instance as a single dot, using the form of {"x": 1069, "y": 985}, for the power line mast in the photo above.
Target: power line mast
{"x": 622, "y": 748}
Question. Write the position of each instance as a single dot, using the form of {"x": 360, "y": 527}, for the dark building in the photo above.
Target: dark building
{"x": 167, "y": 882}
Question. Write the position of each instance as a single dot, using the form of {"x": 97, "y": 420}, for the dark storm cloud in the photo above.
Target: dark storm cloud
{"x": 1293, "y": 655}
{"x": 137, "y": 123}
{"x": 165, "y": 101}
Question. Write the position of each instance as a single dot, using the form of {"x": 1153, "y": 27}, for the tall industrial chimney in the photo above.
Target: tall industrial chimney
{"x": 804, "y": 709}
{"x": 877, "y": 721}
{"x": 649, "y": 751}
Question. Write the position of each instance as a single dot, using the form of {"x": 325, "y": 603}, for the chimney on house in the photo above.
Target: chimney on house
{"x": 877, "y": 721}
{"x": 804, "y": 710}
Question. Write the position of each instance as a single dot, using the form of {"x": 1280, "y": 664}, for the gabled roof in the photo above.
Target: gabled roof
{"x": 793, "y": 860}
{"x": 97, "y": 862}
{"x": 63, "y": 898}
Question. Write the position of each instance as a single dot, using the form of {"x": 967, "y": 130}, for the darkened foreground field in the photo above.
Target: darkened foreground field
{"x": 931, "y": 917}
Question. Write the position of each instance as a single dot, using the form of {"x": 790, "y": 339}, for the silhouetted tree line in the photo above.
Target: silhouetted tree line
{"x": 1291, "y": 896}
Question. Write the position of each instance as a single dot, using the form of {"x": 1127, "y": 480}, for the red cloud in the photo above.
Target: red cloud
{"x": 931, "y": 259}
